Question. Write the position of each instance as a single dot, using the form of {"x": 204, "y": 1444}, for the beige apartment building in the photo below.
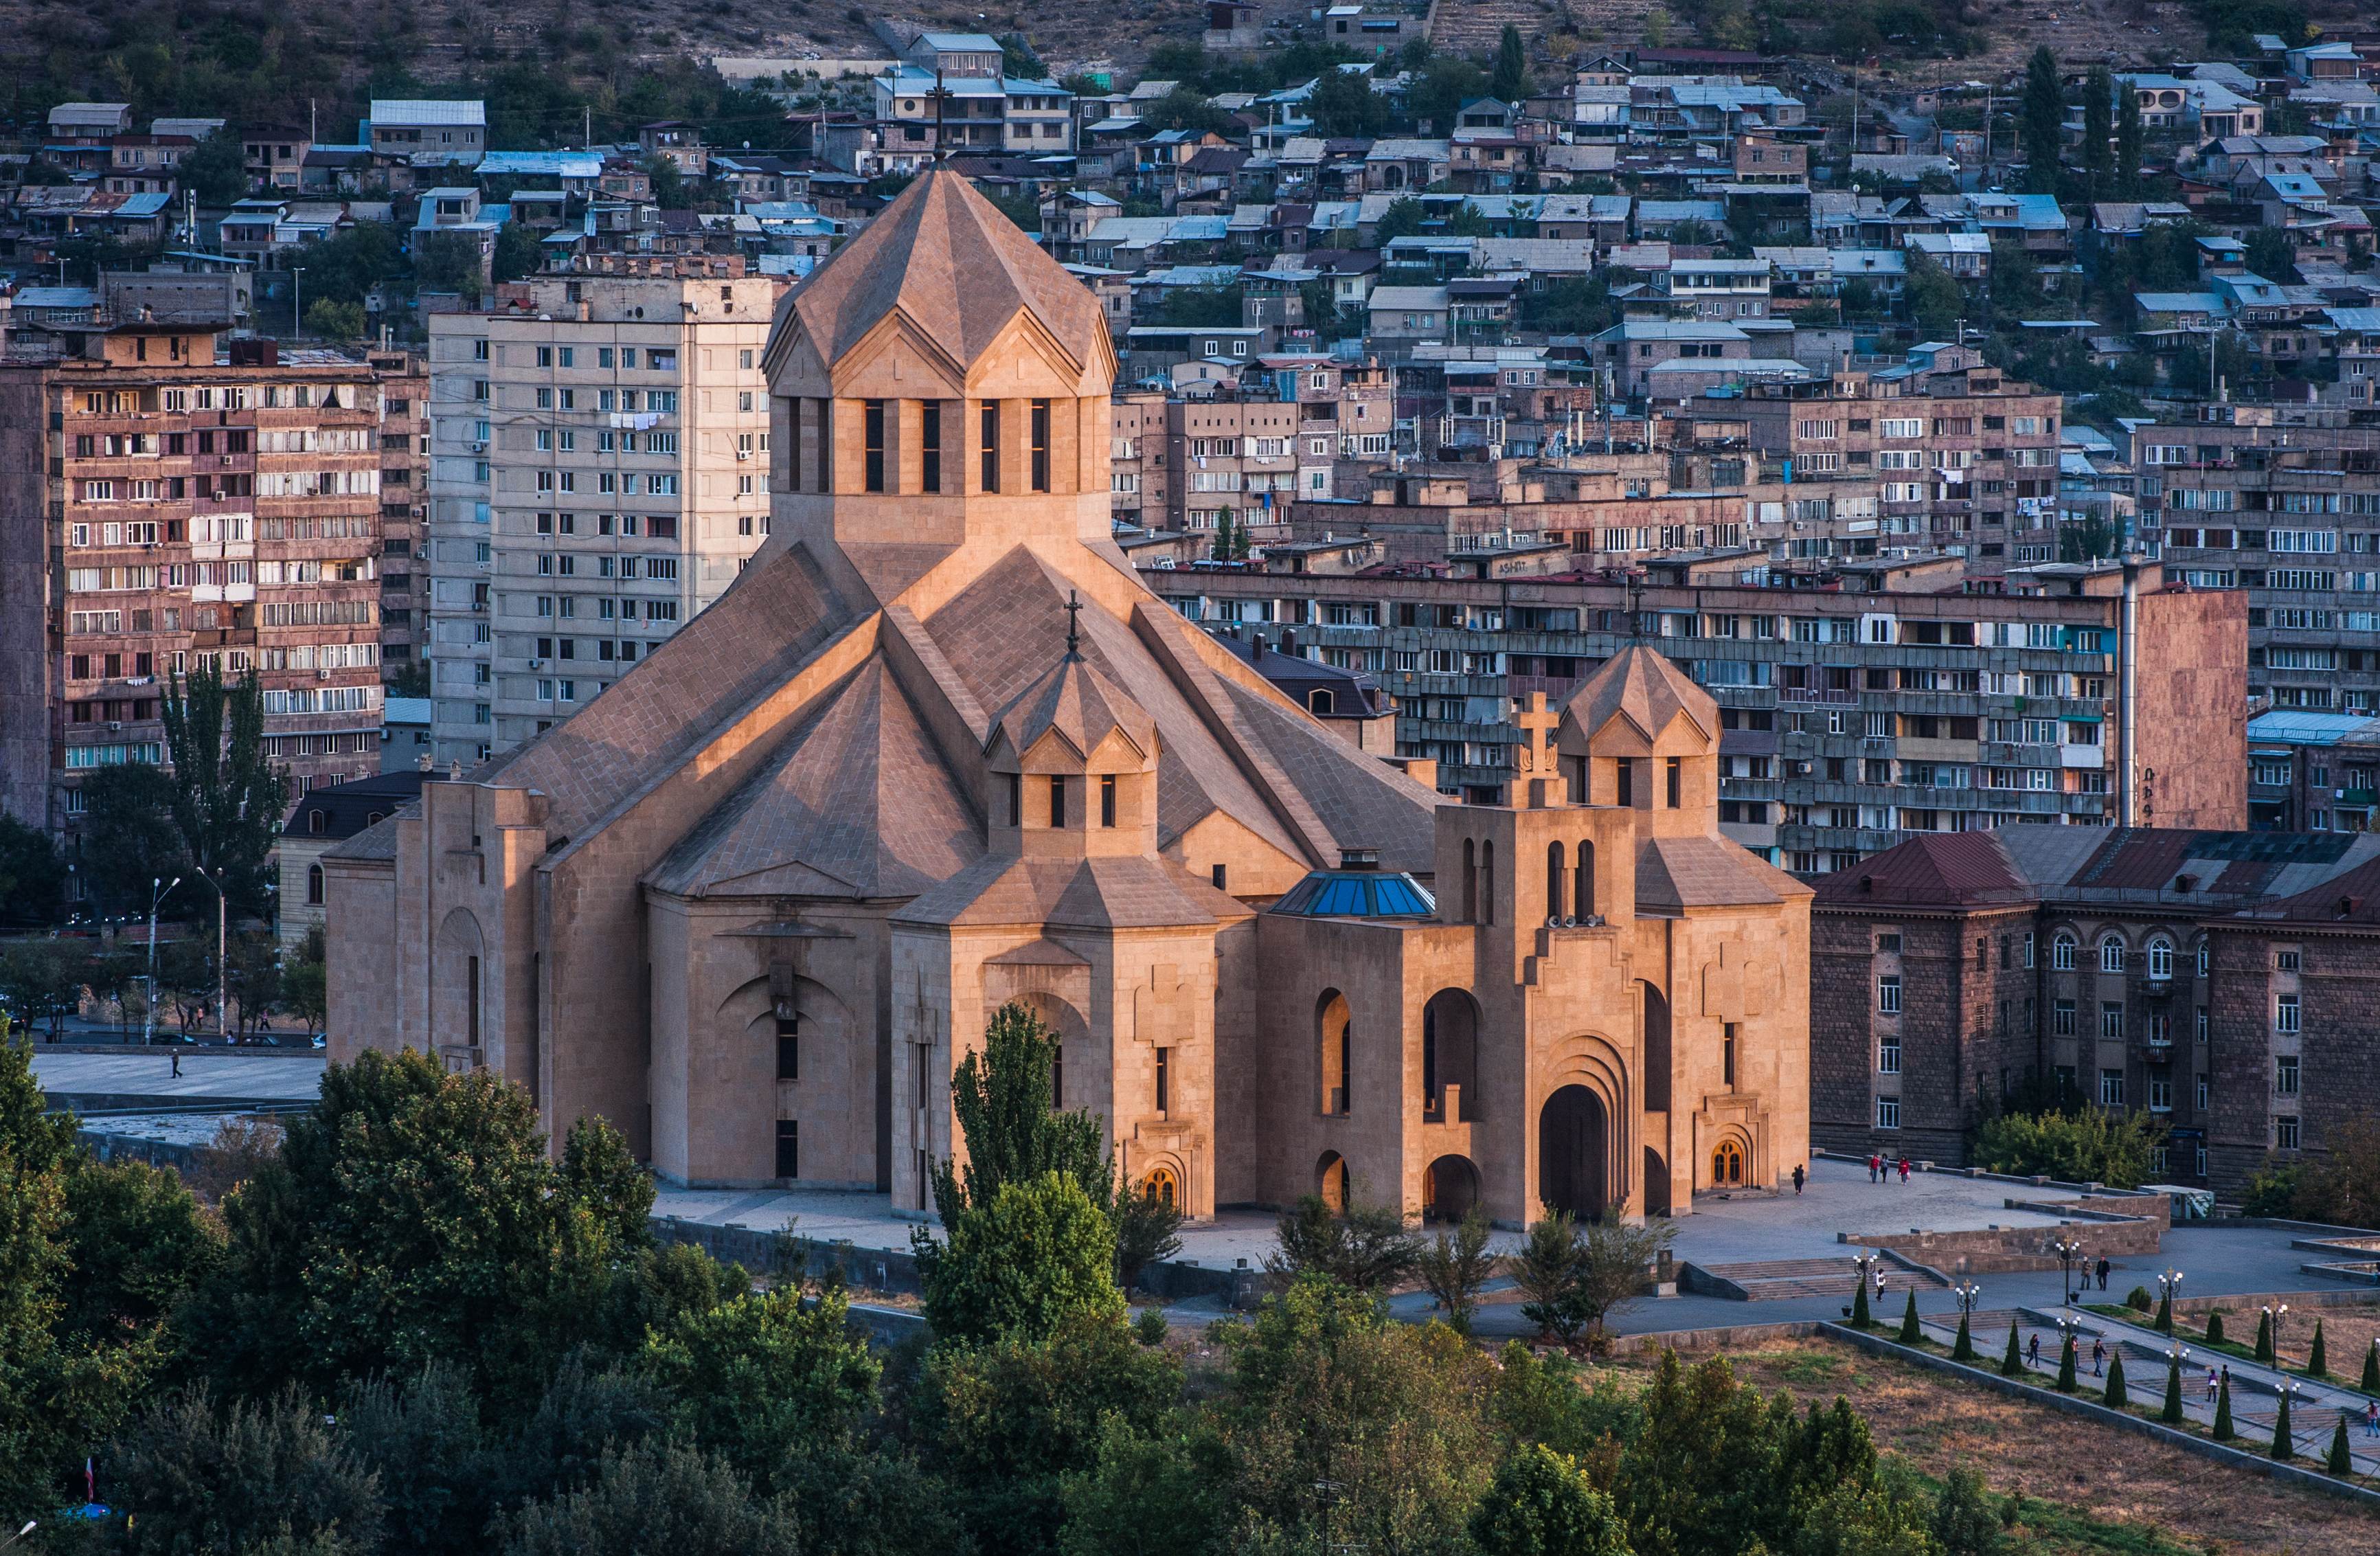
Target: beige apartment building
{"x": 1944, "y": 451}
{"x": 161, "y": 505}
{"x": 600, "y": 459}
{"x": 1300, "y": 428}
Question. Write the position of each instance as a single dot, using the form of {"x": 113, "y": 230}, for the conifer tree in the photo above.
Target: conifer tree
{"x": 2012, "y": 1365}
{"x": 2264, "y": 1337}
{"x": 2066, "y": 1367}
{"x": 2215, "y": 1327}
{"x": 2339, "y": 1461}
{"x": 2117, "y": 1395}
{"x": 2319, "y": 1357}
{"x": 2171, "y": 1415}
{"x": 1860, "y": 1316}
{"x": 1909, "y": 1330}
{"x": 2370, "y": 1383}
{"x": 2224, "y": 1430}
{"x": 2284, "y": 1447}
{"x": 2041, "y": 121}
{"x": 1963, "y": 1349}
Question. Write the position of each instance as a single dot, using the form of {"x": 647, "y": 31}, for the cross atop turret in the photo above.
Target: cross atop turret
{"x": 1537, "y": 781}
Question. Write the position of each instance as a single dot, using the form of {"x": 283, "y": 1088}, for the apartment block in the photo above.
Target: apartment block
{"x": 1887, "y": 701}
{"x": 1943, "y": 450}
{"x": 166, "y": 505}
{"x": 1299, "y": 428}
{"x": 598, "y": 473}
{"x": 404, "y": 508}
{"x": 2283, "y": 503}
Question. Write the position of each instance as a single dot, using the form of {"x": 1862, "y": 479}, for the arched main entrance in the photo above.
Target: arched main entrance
{"x": 1727, "y": 1165}
{"x": 1572, "y": 1135}
{"x": 1450, "y": 1186}
{"x": 1160, "y": 1187}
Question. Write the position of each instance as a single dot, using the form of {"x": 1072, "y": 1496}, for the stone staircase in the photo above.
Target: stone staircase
{"x": 1782, "y": 1280}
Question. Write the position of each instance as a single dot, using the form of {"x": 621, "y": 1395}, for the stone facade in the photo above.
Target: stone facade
{"x": 938, "y": 749}
{"x": 2222, "y": 982}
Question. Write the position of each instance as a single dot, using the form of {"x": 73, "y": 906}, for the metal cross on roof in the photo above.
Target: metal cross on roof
{"x": 1074, "y": 609}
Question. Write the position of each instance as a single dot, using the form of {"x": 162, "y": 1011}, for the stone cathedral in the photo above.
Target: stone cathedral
{"x": 938, "y": 749}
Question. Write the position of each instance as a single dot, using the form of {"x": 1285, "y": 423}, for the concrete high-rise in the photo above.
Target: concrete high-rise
{"x": 600, "y": 458}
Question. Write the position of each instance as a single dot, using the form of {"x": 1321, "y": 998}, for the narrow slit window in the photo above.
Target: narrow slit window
{"x": 1107, "y": 799}
{"x": 990, "y": 440}
{"x": 873, "y": 427}
{"x": 1057, "y": 802}
{"x": 929, "y": 446}
{"x": 1040, "y": 445}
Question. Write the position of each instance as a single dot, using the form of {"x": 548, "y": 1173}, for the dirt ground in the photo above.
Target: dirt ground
{"x": 2112, "y": 1491}
{"x": 2347, "y": 1332}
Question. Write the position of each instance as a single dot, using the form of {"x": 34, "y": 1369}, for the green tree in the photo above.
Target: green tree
{"x": 2317, "y": 1354}
{"x": 1403, "y": 217}
{"x": 450, "y": 261}
{"x": 2117, "y": 1395}
{"x": 655, "y": 1497}
{"x": 227, "y": 794}
{"x": 2098, "y": 154}
{"x": 1456, "y": 1269}
{"x": 413, "y": 1216}
{"x": 1511, "y": 81}
{"x": 130, "y": 841}
{"x": 1153, "y": 1494}
{"x": 1963, "y": 1348}
{"x": 1547, "y": 1270}
{"x": 1349, "y": 1429}
{"x": 137, "y": 1245}
{"x": 329, "y": 318}
{"x": 1007, "y": 1424}
{"x": 422, "y": 1439}
{"x": 305, "y": 983}
{"x": 2224, "y": 1430}
{"x": 1042, "y": 1252}
{"x": 1964, "y": 1523}
{"x": 2285, "y": 1446}
{"x": 1935, "y": 300}
{"x": 766, "y": 1377}
{"x": 42, "y": 980}
{"x": 2040, "y": 122}
{"x": 1344, "y": 105}
{"x": 1444, "y": 85}
{"x": 1909, "y": 1332}
{"x": 1543, "y": 1504}
{"x": 2128, "y": 146}
{"x": 2085, "y": 1147}
{"x": 216, "y": 168}
{"x": 244, "y": 1476}
{"x": 32, "y": 877}
{"x": 346, "y": 266}
{"x": 255, "y": 981}
{"x": 2273, "y": 256}
{"x": 2171, "y": 1413}
{"x": 2369, "y": 1381}
{"x": 2068, "y": 1381}
{"x": 2339, "y": 1460}
{"x": 1366, "y": 1247}
{"x": 2264, "y": 1336}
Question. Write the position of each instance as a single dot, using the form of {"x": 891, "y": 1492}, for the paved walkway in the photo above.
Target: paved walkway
{"x": 205, "y": 1075}
{"x": 2315, "y": 1405}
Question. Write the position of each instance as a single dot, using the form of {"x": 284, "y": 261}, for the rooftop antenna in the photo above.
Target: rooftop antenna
{"x": 1073, "y": 608}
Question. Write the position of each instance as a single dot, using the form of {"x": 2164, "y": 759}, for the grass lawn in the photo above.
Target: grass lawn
{"x": 2084, "y": 1489}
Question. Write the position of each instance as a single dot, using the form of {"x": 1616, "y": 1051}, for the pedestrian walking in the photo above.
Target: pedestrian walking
{"x": 176, "y": 1057}
{"x": 2103, "y": 1267}
{"x": 1875, "y": 1165}
{"x": 2210, "y": 1386}
{"x": 2032, "y": 1350}
{"x": 1797, "y": 1179}
{"x": 2098, "y": 1355}
{"x": 2371, "y": 1417}
{"x": 1904, "y": 1172}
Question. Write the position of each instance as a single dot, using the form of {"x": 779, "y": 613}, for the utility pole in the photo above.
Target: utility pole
{"x": 223, "y": 963}
{"x": 149, "y": 1014}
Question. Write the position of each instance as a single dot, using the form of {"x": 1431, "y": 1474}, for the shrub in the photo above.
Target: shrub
{"x": 2085, "y": 1147}
{"x": 2139, "y": 1300}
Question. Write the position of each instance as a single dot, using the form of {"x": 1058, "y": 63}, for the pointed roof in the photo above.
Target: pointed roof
{"x": 1081, "y": 705}
{"x": 1643, "y": 684}
{"x": 952, "y": 263}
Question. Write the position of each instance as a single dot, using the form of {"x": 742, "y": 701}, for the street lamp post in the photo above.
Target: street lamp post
{"x": 1969, "y": 1293}
{"x": 223, "y": 965}
{"x": 2169, "y": 1291}
{"x": 2068, "y": 1250}
{"x": 2275, "y": 1313}
{"x": 149, "y": 1014}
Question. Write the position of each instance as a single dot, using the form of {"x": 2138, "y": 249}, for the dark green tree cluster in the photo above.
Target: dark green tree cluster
{"x": 2086, "y": 1145}
{"x": 414, "y": 1332}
